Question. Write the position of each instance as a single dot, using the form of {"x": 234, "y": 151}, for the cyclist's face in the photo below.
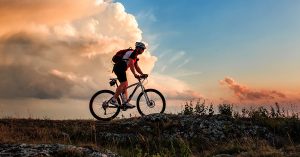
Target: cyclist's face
{"x": 140, "y": 50}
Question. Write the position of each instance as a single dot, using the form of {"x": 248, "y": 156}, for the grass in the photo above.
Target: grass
{"x": 84, "y": 133}
{"x": 47, "y": 131}
{"x": 68, "y": 152}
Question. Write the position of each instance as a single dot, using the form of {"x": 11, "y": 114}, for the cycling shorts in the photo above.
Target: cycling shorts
{"x": 120, "y": 70}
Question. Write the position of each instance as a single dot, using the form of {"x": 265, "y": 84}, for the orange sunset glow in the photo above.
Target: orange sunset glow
{"x": 55, "y": 54}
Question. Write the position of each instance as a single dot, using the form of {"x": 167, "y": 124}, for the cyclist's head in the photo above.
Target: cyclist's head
{"x": 140, "y": 47}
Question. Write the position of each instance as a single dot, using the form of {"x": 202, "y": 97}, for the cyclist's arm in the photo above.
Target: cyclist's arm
{"x": 131, "y": 66}
{"x": 137, "y": 68}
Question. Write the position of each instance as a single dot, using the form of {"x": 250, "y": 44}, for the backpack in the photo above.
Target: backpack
{"x": 119, "y": 55}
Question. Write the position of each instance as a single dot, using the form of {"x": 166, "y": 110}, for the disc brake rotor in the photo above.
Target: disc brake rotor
{"x": 151, "y": 104}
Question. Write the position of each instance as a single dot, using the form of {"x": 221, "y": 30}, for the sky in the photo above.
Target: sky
{"x": 55, "y": 54}
{"x": 254, "y": 43}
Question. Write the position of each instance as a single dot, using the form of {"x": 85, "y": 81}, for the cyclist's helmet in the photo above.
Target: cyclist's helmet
{"x": 140, "y": 44}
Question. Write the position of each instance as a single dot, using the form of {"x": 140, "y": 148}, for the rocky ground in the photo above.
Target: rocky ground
{"x": 39, "y": 150}
{"x": 171, "y": 135}
{"x": 208, "y": 128}
{"x": 222, "y": 135}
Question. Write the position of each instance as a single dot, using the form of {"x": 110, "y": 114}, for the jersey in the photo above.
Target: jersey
{"x": 130, "y": 54}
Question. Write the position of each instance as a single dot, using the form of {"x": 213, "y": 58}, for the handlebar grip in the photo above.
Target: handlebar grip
{"x": 144, "y": 76}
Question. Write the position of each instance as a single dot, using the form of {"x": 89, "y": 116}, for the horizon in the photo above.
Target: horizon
{"x": 56, "y": 55}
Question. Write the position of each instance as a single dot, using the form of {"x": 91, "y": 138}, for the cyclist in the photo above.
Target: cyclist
{"x": 129, "y": 60}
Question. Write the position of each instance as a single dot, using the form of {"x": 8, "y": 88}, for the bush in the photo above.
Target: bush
{"x": 226, "y": 109}
{"x": 259, "y": 113}
{"x": 188, "y": 108}
{"x": 200, "y": 108}
{"x": 211, "y": 110}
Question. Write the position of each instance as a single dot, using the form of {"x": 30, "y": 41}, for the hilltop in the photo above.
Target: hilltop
{"x": 162, "y": 135}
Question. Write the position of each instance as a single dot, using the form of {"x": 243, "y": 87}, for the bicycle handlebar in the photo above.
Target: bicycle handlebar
{"x": 142, "y": 77}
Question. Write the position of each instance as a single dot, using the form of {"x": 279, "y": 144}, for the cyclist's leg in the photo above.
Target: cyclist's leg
{"x": 121, "y": 74}
{"x": 120, "y": 89}
{"x": 120, "y": 71}
{"x": 125, "y": 89}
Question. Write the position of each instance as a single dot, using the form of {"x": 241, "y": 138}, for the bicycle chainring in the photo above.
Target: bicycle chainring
{"x": 105, "y": 105}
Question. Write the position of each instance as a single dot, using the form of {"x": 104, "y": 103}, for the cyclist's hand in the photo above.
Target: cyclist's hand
{"x": 136, "y": 76}
{"x": 144, "y": 76}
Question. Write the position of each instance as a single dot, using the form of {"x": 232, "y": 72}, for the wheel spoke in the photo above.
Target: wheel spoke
{"x": 99, "y": 107}
{"x": 156, "y": 102}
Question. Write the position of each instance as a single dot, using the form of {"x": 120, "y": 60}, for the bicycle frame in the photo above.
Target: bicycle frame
{"x": 137, "y": 85}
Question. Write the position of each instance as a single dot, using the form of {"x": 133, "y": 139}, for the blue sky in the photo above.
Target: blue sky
{"x": 254, "y": 41}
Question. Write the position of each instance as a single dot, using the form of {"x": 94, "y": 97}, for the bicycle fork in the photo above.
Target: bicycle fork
{"x": 146, "y": 96}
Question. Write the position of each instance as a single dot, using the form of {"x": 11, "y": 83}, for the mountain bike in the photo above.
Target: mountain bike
{"x": 149, "y": 101}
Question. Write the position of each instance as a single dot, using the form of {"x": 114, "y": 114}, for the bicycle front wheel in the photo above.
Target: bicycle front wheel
{"x": 151, "y": 101}
{"x": 100, "y": 107}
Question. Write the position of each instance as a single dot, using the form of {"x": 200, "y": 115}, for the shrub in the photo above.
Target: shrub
{"x": 200, "y": 108}
{"x": 226, "y": 109}
{"x": 259, "y": 113}
{"x": 211, "y": 110}
{"x": 245, "y": 112}
{"x": 188, "y": 108}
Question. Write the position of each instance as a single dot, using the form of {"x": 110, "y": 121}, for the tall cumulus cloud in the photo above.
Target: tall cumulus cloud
{"x": 53, "y": 49}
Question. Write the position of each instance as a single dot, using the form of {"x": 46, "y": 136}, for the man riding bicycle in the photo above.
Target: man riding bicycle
{"x": 129, "y": 60}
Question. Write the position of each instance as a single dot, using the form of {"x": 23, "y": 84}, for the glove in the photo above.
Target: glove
{"x": 144, "y": 75}
{"x": 136, "y": 76}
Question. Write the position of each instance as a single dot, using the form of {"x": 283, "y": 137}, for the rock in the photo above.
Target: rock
{"x": 223, "y": 155}
{"x": 215, "y": 128}
{"x": 28, "y": 150}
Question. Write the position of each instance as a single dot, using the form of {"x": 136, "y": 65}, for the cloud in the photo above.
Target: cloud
{"x": 163, "y": 68}
{"x": 17, "y": 14}
{"x": 245, "y": 93}
{"x": 187, "y": 73}
{"x": 25, "y": 81}
{"x": 63, "y": 49}
{"x": 164, "y": 53}
{"x": 147, "y": 15}
{"x": 54, "y": 60}
{"x": 176, "y": 57}
{"x": 173, "y": 88}
{"x": 183, "y": 63}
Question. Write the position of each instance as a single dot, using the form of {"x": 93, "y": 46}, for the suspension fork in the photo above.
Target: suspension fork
{"x": 145, "y": 94}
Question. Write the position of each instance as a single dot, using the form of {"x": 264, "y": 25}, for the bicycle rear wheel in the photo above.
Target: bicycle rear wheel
{"x": 100, "y": 108}
{"x": 157, "y": 102}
